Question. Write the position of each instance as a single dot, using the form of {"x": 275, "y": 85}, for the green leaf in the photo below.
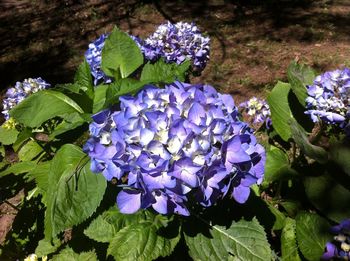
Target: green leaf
{"x": 19, "y": 168}
{"x": 162, "y": 72}
{"x": 245, "y": 240}
{"x": 312, "y": 235}
{"x": 70, "y": 122}
{"x": 69, "y": 254}
{"x": 106, "y": 225}
{"x": 23, "y": 136}
{"x": 45, "y": 247}
{"x": 141, "y": 242}
{"x": 29, "y": 151}
{"x": 73, "y": 193}
{"x": 341, "y": 156}
{"x": 280, "y": 111}
{"x": 99, "y": 98}
{"x": 328, "y": 196}
{"x": 277, "y": 165}
{"x": 43, "y": 105}
{"x": 122, "y": 87}
{"x": 41, "y": 176}
{"x": 299, "y": 76}
{"x": 310, "y": 150}
{"x": 8, "y": 136}
{"x": 120, "y": 54}
{"x": 279, "y": 217}
{"x": 289, "y": 246}
{"x": 83, "y": 78}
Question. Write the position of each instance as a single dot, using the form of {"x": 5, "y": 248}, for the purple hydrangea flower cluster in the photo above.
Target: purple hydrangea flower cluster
{"x": 178, "y": 42}
{"x": 339, "y": 248}
{"x": 173, "y": 42}
{"x": 258, "y": 110}
{"x": 329, "y": 98}
{"x": 21, "y": 90}
{"x": 165, "y": 143}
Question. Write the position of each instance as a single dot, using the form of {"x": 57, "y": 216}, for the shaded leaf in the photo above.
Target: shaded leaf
{"x": 83, "y": 78}
{"x": 69, "y": 254}
{"x": 312, "y": 235}
{"x": 70, "y": 122}
{"x": 29, "y": 151}
{"x": 19, "y": 168}
{"x": 43, "y": 105}
{"x": 99, "y": 98}
{"x": 45, "y": 247}
{"x": 328, "y": 196}
{"x": 310, "y": 150}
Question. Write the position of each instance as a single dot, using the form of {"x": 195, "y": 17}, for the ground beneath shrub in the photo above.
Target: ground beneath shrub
{"x": 253, "y": 41}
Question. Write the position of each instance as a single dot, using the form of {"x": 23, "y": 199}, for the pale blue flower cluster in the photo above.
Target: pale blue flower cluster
{"x": 258, "y": 110}
{"x": 21, "y": 90}
{"x": 329, "y": 98}
{"x": 178, "y": 42}
{"x": 172, "y": 42}
{"x": 166, "y": 144}
{"x": 339, "y": 248}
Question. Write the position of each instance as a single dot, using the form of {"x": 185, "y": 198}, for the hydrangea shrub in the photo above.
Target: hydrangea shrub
{"x": 174, "y": 141}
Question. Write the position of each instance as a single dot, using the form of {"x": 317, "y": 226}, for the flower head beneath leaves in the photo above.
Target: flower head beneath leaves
{"x": 258, "y": 111}
{"x": 169, "y": 143}
{"x": 329, "y": 98}
{"x": 21, "y": 90}
{"x": 339, "y": 248}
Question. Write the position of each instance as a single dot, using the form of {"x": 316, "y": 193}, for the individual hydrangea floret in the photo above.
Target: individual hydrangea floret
{"x": 21, "y": 90}
{"x": 339, "y": 248}
{"x": 178, "y": 42}
{"x": 168, "y": 143}
{"x": 258, "y": 111}
{"x": 329, "y": 98}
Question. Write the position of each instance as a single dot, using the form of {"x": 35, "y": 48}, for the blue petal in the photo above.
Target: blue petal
{"x": 129, "y": 201}
{"x": 241, "y": 194}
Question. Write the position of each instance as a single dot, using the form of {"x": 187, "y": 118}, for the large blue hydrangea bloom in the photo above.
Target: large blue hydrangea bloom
{"x": 166, "y": 143}
{"x": 339, "y": 248}
{"x": 21, "y": 90}
{"x": 329, "y": 98}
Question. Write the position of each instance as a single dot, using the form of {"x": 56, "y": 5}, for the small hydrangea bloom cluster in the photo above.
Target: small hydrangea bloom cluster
{"x": 178, "y": 42}
{"x": 21, "y": 90}
{"x": 329, "y": 98}
{"x": 173, "y": 42}
{"x": 339, "y": 248}
{"x": 258, "y": 110}
{"x": 93, "y": 57}
{"x": 165, "y": 143}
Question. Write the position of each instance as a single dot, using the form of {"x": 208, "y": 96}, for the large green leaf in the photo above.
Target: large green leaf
{"x": 329, "y": 196}
{"x": 19, "y": 168}
{"x": 120, "y": 55}
{"x": 100, "y": 98}
{"x": 312, "y": 235}
{"x": 161, "y": 72}
{"x": 70, "y": 122}
{"x": 341, "y": 156}
{"x": 141, "y": 241}
{"x": 310, "y": 150}
{"x": 8, "y": 136}
{"x": 43, "y": 105}
{"x": 280, "y": 110}
{"x": 41, "y": 176}
{"x": 73, "y": 193}
{"x": 289, "y": 246}
{"x": 300, "y": 75}
{"x": 245, "y": 240}
{"x": 83, "y": 78}
{"x": 69, "y": 254}
{"x": 106, "y": 225}
{"x": 45, "y": 247}
{"x": 29, "y": 151}
{"x": 277, "y": 165}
